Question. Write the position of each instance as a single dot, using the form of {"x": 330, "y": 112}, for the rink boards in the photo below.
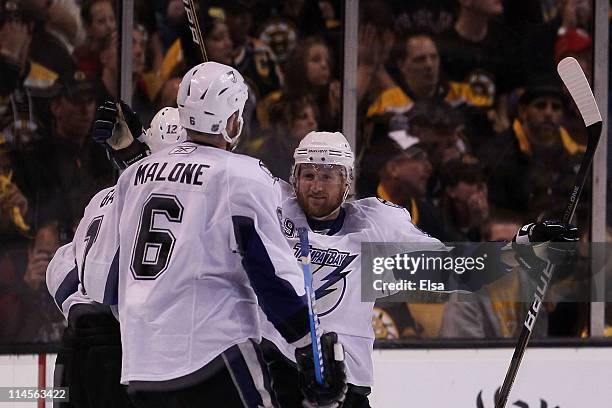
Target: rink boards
{"x": 436, "y": 378}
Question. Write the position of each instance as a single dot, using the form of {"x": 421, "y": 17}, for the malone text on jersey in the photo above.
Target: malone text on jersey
{"x": 186, "y": 173}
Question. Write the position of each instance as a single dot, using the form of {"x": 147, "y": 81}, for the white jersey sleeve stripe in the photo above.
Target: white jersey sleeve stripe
{"x": 283, "y": 307}
{"x": 111, "y": 288}
{"x": 69, "y": 286}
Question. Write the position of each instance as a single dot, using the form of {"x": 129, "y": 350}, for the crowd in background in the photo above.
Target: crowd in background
{"x": 461, "y": 119}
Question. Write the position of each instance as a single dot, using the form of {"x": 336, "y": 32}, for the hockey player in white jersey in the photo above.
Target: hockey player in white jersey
{"x": 89, "y": 361}
{"x": 199, "y": 247}
{"x": 321, "y": 178}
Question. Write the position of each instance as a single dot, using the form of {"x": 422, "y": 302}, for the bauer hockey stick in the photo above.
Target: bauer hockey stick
{"x": 313, "y": 318}
{"x": 572, "y": 76}
{"x": 194, "y": 26}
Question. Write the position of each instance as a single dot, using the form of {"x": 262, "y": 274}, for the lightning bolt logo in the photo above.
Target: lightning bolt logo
{"x": 332, "y": 263}
{"x": 335, "y": 276}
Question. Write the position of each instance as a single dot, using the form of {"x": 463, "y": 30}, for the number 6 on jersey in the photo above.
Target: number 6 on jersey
{"x": 154, "y": 245}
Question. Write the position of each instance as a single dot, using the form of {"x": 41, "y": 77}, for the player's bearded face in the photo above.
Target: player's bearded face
{"x": 320, "y": 188}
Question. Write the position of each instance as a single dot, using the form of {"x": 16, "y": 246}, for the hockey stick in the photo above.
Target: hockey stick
{"x": 575, "y": 81}
{"x": 315, "y": 335}
{"x": 194, "y": 26}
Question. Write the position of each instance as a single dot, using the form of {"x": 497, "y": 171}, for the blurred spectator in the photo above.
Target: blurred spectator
{"x": 433, "y": 16}
{"x": 219, "y": 45}
{"x": 480, "y": 50}
{"x": 578, "y": 44}
{"x": 13, "y": 203}
{"x": 252, "y": 58}
{"x": 419, "y": 78}
{"x": 403, "y": 181}
{"x": 65, "y": 22}
{"x": 41, "y": 322}
{"x": 144, "y": 14}
{"x": 431, "y": 122}
{"x": 56, "y": 17}
{"x": 280, "y": 35}
{"x": 308, "y": 74}
{"x": 292, "y": 120}
{"x": 45, "y": 48}
{"x": 107, "y": 82}
{"x": 576, "y": 14}
{"x": 376, "y": 39}
{"x": 25, "y": 87}
{"x": 69, "y": 167}
{"x": 531, "y": 166}
{"x": 539, "y": 32}
{"x": 168, "y": 93}
{"x": 436, "y": 124}
{"x": 217, "y": 38}
{"x": 496, "y": 311}
{"x": 502, "y": 225}
{"x": 99, "y": 20}
{"x": 306, "y": 16}
{"x": 392, "y": 321}
{"x": 464, "y": 203}
{"x": 141, "y": 102}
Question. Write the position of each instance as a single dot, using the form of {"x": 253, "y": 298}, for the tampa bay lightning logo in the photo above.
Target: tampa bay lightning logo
{"x": 329, "y": 272}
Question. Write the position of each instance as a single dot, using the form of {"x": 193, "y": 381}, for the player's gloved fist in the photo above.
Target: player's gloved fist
{"x": 539, "y": 242}
{"x": 333, "y": 391}
{"x": 104, "y": 122}
{"x": 116, "y": 127}
{"x": 131, "y": 119}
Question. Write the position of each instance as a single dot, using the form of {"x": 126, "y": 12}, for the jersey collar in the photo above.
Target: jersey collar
{"x": 328, "y": 227}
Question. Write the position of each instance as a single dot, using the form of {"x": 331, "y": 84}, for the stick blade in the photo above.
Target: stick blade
{"x": 572, "y": 76}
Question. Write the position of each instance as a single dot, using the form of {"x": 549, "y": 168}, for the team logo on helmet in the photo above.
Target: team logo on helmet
{"x": 232, "y": 76}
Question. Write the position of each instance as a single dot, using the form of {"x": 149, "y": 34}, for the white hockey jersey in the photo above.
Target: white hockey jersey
{"x": 336, "y": 268}
{"x": 66, "y": 272}
{"x": 197, "y": 243}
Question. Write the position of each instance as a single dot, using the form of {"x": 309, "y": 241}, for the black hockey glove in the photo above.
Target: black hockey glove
{"x": 104, "y": 122}
{"x": 539, "y": 242}
{"x": 132, "y": 120}
{"x": 115, "y": 129}
{"x": 333, "y": 392}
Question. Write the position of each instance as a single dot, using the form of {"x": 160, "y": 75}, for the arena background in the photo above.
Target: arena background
{"x": 416, "y": 366}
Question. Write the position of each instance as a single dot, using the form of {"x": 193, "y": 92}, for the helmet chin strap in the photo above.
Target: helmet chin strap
{"x": 233, "y": 141}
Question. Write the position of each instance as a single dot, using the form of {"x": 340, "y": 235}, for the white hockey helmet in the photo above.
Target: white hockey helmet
{"x": 208, "y": 95}
{"x": 324, "y": 148}
{"x": 165, "y": 130}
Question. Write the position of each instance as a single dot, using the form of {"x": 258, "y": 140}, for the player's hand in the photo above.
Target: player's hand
{"x": 104, "y": 122}
{"x": 114, "y": 127}
{"x": 539, "y": 242}
{"x": 333, "y": 392}
{"x": 131, "y": 119}
{"x": 38, "y": 261}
